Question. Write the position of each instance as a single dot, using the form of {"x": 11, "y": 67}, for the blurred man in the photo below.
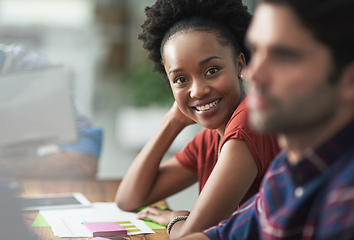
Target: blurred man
{"x": 71, "y": 160}
{"x": 301, "y": 86}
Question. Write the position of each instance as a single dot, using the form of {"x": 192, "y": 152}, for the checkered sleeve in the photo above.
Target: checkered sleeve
{"x": 243, "y": 223}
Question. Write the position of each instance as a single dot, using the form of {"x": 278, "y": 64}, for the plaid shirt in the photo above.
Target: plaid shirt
{"x": 313, "y": 199}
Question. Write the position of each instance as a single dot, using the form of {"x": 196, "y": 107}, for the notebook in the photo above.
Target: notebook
{"x": 104, "y": 229}
{"x": 35, "y": 109}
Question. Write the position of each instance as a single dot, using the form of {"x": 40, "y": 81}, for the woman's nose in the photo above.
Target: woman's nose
{"x": 199, "y": 88}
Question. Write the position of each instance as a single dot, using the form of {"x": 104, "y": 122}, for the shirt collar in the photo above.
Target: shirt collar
{"x": 317, "y": 161}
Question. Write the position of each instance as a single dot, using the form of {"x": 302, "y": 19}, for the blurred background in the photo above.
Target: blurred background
{"x": 111, "y": 78}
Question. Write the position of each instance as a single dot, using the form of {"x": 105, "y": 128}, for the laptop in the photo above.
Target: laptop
{"x": 36, "y": 109}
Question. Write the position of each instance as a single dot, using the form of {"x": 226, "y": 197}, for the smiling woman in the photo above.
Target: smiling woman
{"x": 204, "y": 78}
{"x": 200, "y": 53}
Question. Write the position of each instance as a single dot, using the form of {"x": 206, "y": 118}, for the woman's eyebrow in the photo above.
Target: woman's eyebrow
{"x": 208, "y": 59}
{"x": 200, "y": 63}
{"x": 175, "y": 70}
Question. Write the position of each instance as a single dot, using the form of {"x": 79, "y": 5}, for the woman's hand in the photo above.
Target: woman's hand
{"x": 163, "y": 217}
{"x": 176, "y": 113}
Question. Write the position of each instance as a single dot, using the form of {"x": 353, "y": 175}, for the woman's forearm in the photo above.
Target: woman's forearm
{"x": 143, "y": 175}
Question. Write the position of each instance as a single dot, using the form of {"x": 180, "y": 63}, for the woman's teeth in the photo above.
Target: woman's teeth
{"x": 208, "y": 106}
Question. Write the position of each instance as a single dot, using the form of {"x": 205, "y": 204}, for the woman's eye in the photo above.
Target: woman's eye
{"x": 212, "y": 71}
{"x": 179, "y": 80}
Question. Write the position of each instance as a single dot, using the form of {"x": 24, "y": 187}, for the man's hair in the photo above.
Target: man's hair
{"x": 228, "y": 19}
{"x": 330, "y": 21}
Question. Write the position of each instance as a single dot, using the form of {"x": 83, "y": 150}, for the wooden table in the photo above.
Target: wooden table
{"x": 94, "y": 190}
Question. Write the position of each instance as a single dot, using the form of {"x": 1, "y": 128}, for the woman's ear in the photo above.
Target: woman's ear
{"x": 241, "y": 65}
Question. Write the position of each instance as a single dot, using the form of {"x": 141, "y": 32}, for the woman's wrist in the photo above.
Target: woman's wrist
{"x": 175, "y": 220}
{"x": 178, "y": 123}
{"x": 177, "y": 216}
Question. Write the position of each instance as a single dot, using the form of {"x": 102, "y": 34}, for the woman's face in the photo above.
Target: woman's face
{"x": 204, "y": 77}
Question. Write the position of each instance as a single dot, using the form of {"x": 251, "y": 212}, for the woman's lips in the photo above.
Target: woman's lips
{"x": 207, "y": 106}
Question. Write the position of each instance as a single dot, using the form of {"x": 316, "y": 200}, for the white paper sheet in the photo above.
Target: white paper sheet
{"x": 68, "y": 222}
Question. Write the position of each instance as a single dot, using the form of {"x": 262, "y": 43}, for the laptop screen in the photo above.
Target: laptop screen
{"x": 35, "y": 109}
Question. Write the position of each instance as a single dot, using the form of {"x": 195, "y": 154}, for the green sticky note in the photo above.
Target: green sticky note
{"x": 151, "y": 224}
{"x": 154, "y": 225}
{"x": 40, "y": 221}
{"x": 142, "y": 208}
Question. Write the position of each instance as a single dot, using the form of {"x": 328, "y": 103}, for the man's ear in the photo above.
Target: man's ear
{"x": 347, "y": 86}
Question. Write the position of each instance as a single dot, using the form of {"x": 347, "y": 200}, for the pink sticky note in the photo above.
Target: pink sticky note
{"x": 105, "y": 229}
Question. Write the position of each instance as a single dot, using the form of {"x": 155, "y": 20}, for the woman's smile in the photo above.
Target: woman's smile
{"x": 207, "y": 106}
